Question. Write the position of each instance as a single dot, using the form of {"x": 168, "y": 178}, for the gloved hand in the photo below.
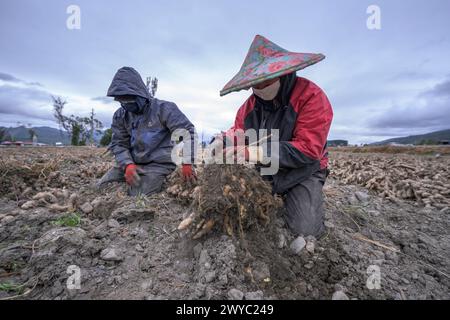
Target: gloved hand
{"x": 188, "y": 172}
{"x": 131, "y": 175}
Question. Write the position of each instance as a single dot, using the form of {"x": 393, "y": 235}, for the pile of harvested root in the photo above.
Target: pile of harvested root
{"x": 45, "y": 177}
{"x": 232, "y": 198}
{"x": 17, "y": 175}
{"x": 422, "y": 179}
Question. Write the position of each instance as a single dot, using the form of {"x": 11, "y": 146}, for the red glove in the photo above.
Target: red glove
{"x": 131, "y": 174}
{"x": 188, "y": 172}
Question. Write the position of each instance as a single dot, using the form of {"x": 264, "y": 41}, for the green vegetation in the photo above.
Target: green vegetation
{"x": 427, "y": 142}
{"x": 141, "y": 201}
{"x": 106, "y": 139}
{"x": 9, "y": 287}
{"x": 68, "y": 220}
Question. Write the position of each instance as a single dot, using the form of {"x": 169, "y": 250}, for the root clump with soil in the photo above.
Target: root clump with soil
{"x": 232, "y": 198}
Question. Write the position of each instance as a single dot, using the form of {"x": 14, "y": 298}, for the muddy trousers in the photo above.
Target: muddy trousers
{"x": 152, "y": 178}
{"x": 305, "y": 214}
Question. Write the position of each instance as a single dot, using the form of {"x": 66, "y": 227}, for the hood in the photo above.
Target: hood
{"x": 128, "y": 81}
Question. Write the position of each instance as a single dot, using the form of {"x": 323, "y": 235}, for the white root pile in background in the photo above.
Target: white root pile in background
{"x": 45, "y": 180}
{"x": 425, "y": 180}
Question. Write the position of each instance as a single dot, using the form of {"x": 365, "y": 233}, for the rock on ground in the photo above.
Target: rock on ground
{"x": 235, "y": 294}
{"x": 111, "y": 254}
{"x": 297, "y": 245}
{"x": 340, "y": 295}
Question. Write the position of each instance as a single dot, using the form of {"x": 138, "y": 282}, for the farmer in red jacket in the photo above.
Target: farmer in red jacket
{"x": 301, "y": 112}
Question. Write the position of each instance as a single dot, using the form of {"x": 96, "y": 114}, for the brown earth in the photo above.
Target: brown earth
{"x": 130, "y": 248}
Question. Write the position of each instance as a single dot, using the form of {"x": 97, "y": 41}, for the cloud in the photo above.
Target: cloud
{"x": 25, "y": 101}
{"x": 21, "y": 101}
{"x": 10, "y": 78}
{"x": 440, "y": 90}
{"x": 103, "y": 99}
{"x": 427, "y": 111}
{"x": 375, "y": 80}
{"x": 410, "y": 75}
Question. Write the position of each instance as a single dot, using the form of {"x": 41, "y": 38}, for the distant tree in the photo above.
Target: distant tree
{"x": 106, "y": 139}
{"x": 58, "y": 107}
{"x": 152, "y": 85}
{"x": 81, "y": 129}
{"x": 427, "y": 142}
{"x": 76, "y": 129}
{"x": 31, "y": 133}
{"x": 2, "y": 133}
{"x": 95, "y": 126}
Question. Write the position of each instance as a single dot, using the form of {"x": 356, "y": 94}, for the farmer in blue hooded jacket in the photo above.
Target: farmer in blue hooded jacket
{"x": 141, "y": 136}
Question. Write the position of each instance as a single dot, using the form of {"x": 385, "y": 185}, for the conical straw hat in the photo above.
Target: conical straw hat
{"x": 265, "y": 60}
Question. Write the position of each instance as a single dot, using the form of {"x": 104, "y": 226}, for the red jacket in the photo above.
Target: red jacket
{"x": 304, "y": 123}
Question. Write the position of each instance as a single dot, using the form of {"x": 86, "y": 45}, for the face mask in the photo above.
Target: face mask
{"x": 269, "y": 92}
{"x": 130, "y": 106}
{"x": 133, "y": 105}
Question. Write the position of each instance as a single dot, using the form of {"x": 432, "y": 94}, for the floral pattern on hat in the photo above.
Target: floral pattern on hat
{"x": 266, "y": 60}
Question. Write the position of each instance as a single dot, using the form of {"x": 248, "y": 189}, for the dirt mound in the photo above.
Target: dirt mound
{"x": 43, "y": 176}
{"x": 17, "y": 175}
{"x": 231, "y": 197}
{"x": 131, "y": 247}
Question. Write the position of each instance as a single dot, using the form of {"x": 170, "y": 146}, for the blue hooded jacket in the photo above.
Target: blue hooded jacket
{"x": 144, "y": 137}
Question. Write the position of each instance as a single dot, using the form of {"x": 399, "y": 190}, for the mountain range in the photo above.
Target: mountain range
{"x": 46, "y": 135}
{"x": 428, "y": 138}
{"x": 50, "y": 135}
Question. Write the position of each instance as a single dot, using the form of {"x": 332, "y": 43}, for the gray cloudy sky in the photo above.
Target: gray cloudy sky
{"x": 381, "y": 83}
